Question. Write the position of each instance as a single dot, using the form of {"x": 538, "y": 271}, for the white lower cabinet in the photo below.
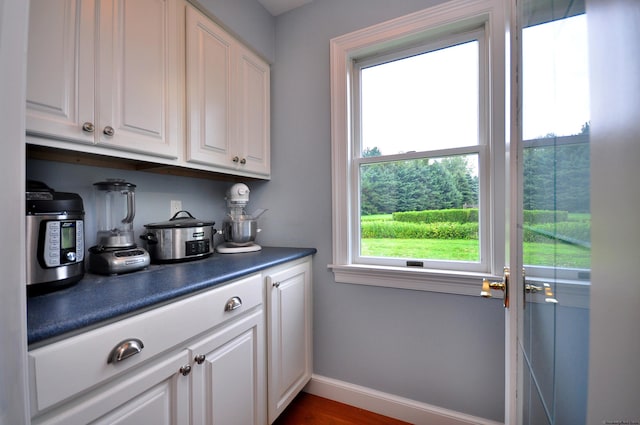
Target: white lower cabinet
{"x": 228, "y": 376}
{"x": 202, "y": 360}
{"x": 289, "y": 333}
{"x": 157, "y": 394}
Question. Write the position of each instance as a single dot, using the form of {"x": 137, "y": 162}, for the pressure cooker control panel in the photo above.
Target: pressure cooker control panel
{"x": 63, "y": 242}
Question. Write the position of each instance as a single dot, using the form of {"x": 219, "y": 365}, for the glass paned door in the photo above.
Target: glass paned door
{"x": 553, "y": 166}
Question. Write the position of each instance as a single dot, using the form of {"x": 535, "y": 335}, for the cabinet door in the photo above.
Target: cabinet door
{"x": 254, "y": 113}
{"x": 60, "y": 71}
{"x": 157, "y": 394}
{"x": 229, "y": 374}
{"x": 209, "y": 81}
{"x": 289, "y": 335}
{"x": 137, "y": 77}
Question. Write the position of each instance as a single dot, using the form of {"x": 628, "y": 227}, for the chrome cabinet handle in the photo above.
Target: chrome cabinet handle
{"x": 88, "y": 127}
{"x": 235, "y": 159}
{"x": 125, "y": 349}
{"x": 185, "y": 370}
{"x": 233, "y": 304}
{"x": 243, "y": 161}
{"x": 108, "y": 130}
{"x": 276, "y": 284}
{"x": 200, "y": 358}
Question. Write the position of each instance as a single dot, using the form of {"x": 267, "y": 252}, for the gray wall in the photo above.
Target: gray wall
{"x": 440, "y": 349}
{"x": 248, "y": 20}
{"x": 204, "y": 199}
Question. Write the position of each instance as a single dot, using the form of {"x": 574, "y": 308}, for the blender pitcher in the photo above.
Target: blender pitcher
{"x": 115, "y": 210}
{"x": 116, "y": 250}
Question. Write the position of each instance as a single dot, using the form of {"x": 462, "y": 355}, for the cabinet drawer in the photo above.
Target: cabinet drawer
{"x": 63, "y": 369}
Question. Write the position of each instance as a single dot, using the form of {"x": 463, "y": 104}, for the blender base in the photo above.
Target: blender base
{"x": 226, "y": 248}
{"x": 116, "y": 261}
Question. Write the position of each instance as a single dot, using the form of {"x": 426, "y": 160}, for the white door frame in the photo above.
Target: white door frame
{"x": 14, "y": 408}
{"x": 512, "y": 405}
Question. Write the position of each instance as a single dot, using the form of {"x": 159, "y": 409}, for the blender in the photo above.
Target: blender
{"x": 116, "y": 251}
{"x": 239, "y": 228}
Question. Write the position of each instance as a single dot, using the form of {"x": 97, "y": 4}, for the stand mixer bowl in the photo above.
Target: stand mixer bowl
{"x": 240, "y": 230}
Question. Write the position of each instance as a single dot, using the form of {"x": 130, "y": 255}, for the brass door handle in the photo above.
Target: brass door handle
{"x": 532, "y": 289}
{"x": 488, "y": 286}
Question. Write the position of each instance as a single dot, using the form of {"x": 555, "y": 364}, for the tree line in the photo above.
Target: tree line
{"x": 556, "y": 177}
{"x": 416, "y": 185}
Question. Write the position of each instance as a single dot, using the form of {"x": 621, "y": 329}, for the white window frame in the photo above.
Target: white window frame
{"x": 448, "y": 19}
{"x": 480, "y": 148}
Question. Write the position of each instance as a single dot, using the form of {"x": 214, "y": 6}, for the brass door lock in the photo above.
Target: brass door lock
{"x": 488, "y": 286}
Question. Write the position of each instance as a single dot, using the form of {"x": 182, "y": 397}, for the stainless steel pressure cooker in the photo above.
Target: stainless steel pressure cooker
{"x": 55, "y": 238}
{"x": 181, "y": 238}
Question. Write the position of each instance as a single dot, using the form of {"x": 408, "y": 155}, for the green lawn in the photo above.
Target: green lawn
{"x": 538, "y": 254}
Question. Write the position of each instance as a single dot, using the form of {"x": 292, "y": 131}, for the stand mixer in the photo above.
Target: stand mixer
{"x": 116, "y": 251}
{"x": 239, "y": 228}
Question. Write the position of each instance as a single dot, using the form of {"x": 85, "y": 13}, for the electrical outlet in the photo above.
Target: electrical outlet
{"x": 175, "y": 207}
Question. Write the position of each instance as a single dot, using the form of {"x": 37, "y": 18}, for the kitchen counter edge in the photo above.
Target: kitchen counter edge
{"x": 97, "y": 300}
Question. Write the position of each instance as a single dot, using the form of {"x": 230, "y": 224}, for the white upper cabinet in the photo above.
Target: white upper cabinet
{"x": 60, "y": 84}
{"x": 105, "y": 73}
{"x": 209, "y": 81}
{"x": 254, "y": 113}
{"x": 228, "y": 98}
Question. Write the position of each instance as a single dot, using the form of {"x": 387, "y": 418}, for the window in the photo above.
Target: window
{"x": 418, "y": 134}
{"x": 417, "y": 155}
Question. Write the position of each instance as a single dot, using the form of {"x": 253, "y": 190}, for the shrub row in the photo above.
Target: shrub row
{"x": 579, "y": 232}
{"x": 400, "y": 230}
{"x": 470, "y": 215}
{"x": 575, "y": 231}
{"x": 458, "y": 215}
{"x": 544, "y": 216}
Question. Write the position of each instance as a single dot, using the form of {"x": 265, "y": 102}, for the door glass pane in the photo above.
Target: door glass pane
{"x": 555, "y": 167}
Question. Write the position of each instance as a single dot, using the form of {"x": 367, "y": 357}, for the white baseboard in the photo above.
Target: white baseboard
{"x": 389, "y": 405}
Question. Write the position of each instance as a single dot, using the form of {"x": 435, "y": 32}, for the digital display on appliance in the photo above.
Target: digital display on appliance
{"x": 68, "y": 236}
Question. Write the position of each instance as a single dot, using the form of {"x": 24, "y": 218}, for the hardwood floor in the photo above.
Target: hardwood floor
{"x": 307, "y": 409}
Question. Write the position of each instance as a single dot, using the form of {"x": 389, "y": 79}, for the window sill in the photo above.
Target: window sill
{"x": 570, "y": 293}
{"x": 448, "y": 282}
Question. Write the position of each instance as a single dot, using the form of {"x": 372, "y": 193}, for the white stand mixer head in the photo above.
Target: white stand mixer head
{"x": 237, "y": 196}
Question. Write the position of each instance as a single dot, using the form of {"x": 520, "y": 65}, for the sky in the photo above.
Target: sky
{"x": 430, "y": 101}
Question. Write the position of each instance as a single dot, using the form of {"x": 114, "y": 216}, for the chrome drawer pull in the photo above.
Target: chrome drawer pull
{"x": 125, "y": 349}
{"x": 233, "y": 304}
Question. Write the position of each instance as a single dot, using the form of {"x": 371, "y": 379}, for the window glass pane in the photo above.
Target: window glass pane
{"x": 420, "y": 209}
{"x": 423, "y": 102}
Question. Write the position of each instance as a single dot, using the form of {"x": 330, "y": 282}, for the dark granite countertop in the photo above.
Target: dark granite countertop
{"x": 97, "y": 300}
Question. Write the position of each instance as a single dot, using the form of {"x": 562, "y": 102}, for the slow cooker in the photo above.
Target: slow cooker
{"x": 181, "y": 238}
{"x": 55, "y": 238}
